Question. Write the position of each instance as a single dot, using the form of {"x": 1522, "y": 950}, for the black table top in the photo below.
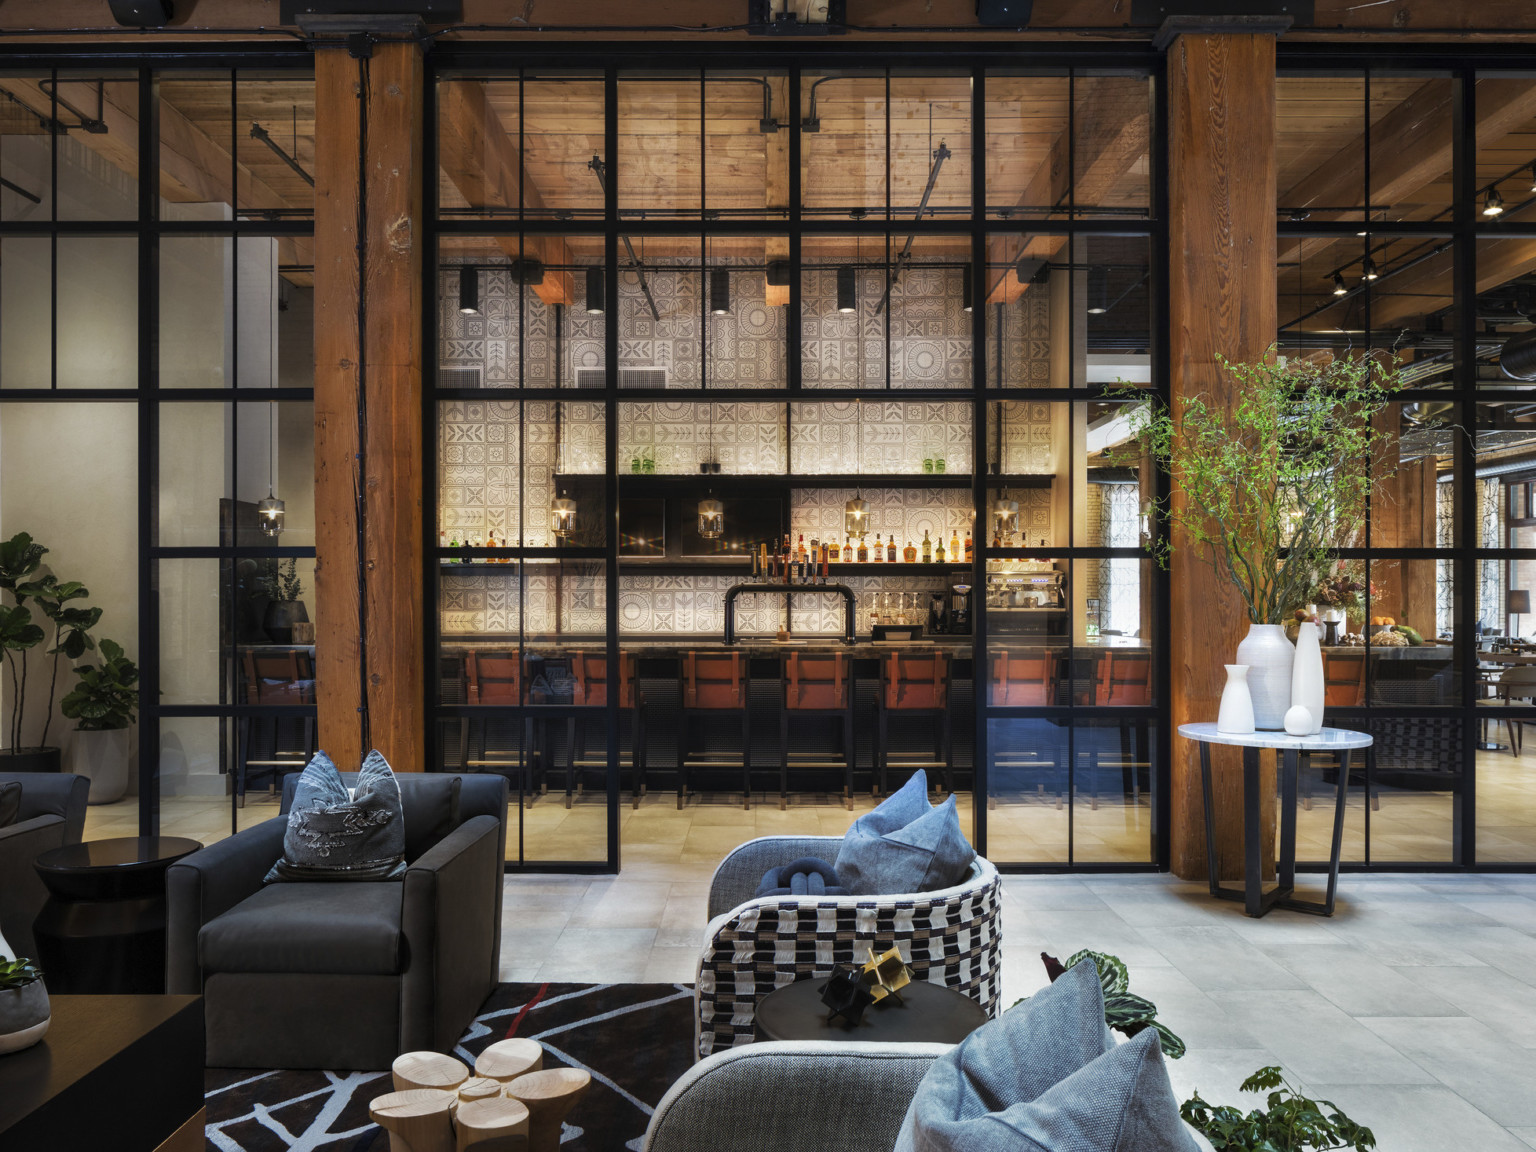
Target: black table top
{"x": 929, "y": 1013}
{"x": 120, "y": 852}
{"x": 85, "y": 1033}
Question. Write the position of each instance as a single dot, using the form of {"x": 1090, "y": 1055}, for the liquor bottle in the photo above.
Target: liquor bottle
{"x": 754, "y": 565}
{"x": 938, "y": 551}
{"x": 890, "y": 549}
{"x": 800, "y": 550}
{"x": 833, "y": 552}
{"x": 490, "y": 542}
{"x": 997, "y": 538}
{"x": 863, "y": 551}
{"x": 970, "y": 548}
{"x": 954, "y": 547}
{"x": 927, "y": 548}
{"x": 909, "y": 553}
{"x": 848, "y": 550}
{"x": 879, "y": 551}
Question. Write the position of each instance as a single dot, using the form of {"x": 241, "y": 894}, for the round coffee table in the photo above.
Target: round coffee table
{"x": 102, "y": 930}
{"x": 928, "y": 1013}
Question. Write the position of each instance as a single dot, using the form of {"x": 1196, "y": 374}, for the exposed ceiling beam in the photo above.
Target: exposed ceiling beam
{"x": 484, "y": 164}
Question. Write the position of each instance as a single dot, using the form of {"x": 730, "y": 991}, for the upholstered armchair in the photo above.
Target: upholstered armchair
{"x": 52, "y": 815}
{"x": 951, "y": 936}
{"x": 344, "y": 974}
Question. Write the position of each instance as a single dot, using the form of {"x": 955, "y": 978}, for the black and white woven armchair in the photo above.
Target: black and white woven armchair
{"x": 951, "y": 936}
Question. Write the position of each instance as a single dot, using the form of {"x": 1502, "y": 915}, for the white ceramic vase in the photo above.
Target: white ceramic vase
{"x": 101, "y": 756}
{"x": 1307, "y": 685}
{"x": 1269, "y": 657}
{"x": 1236, "y": 715}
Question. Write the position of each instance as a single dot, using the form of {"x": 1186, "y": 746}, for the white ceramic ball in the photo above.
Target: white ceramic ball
{"x": 1298, "y": 720}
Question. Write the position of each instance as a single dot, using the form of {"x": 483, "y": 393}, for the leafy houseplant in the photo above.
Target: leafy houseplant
{"x": 103, "y": 705}
{"x": 20, "y": 559}
{"x": 285, "y": 608}
{"x": 1290, "y": 1123}
{"x": 1123, "y": 1011}
{"x": 24, "y": 1010}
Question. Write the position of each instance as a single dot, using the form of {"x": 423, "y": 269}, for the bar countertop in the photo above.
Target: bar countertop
{"x": 669, "y": 643}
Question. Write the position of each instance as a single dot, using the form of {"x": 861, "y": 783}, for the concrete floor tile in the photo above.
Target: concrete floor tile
{"x": 1217, "y": 959}
{"x": 1419, "y": 1118}
{"x": 1314, "y": 1040}
{"x": 1362, "y": 985}
{"x": 1471, "y": 1059}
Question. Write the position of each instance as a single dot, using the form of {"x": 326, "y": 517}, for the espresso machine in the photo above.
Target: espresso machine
{"x": 960, "y": 610}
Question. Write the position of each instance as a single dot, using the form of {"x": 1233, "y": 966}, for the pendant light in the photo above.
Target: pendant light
{"x": 271, "y": 511}
{"x": 1494, "y": 204}
{"x": 469, "y": 290}
{"x": 595, "y": 292}
{"x": 562, "y": 509}
{"x": 847, "y": 289}
{"x": 711, "y": 511}
{"x": 1098, "y": 290}
{"x": 856, "y": 511}
{"x": 719, "y": 291}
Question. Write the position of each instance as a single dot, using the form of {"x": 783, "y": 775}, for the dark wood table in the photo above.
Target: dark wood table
{"x": 114, "y": 1072}
{"x": 928, "y": 1013}
{"x": 102, "y": 929}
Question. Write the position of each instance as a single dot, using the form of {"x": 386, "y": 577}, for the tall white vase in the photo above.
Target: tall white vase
{"x": 1307, "y": 684}
{"x": 1269, "y": 657}
{"x": 1236, "y": 714}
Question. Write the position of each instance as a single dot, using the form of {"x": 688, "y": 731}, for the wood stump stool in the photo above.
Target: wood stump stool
{"x": 479, "y": 1088}
{"x": 506, "y": 1060}
{"x": 549, "y": 1096}
{"x": 427, "y": 1070}
{"x": 497, "y": 1124}
{"x": 417, "y": 1119}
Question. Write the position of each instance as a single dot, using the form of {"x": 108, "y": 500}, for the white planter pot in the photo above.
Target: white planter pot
{"x": 24, "y": 1016}
{"x": 1236, "y": 715}
{"x": 1307, "y": 684}
{"x": 102, "y": 758}
{"x": 1269, "y": 657}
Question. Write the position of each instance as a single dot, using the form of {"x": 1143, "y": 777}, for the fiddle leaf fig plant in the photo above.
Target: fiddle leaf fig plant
{"x": 1271, "y": 481}
{"x": 106, "y": 696}
{"x": 1291, "y": 1122}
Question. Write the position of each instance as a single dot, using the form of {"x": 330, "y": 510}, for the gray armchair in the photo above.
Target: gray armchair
{"x": 52, "y": 815}
{"x": 812, "y": 1096}
{"x": 344, "y": 975}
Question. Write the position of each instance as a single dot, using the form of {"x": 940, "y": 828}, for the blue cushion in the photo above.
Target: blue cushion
{"x": 334, "y": 836}
{"x": 905, "y": 845}
{"x": 1047, "y": 1076}
{"x": 807, "y": 876}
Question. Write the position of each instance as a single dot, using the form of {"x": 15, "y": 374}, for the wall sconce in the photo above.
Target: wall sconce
{"x": 719, "y": 291}
{"x": 1006, "y": 513}
{"x": 562, "y": 517}
{"x": 711, "y": 519}
{"x": 269, "y": 514}
{"x": 847, "y": 289}
{"x": 595, "y": 292}
{"x": 469, "y": 290}
{"x": 856, "y": 517}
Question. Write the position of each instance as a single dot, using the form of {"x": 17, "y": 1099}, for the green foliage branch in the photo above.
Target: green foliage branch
{"x": 1291, "y": 1122}
{"x": 282, "y": 583}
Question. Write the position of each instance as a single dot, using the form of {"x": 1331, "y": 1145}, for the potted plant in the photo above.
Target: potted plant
{"x": 283, "y": 589}
{"x": 24, "y": 1011}
{"x": 1272, "y": 483}
{"x": 102, "y": 704}
{"x": 20, "y": 632}
{"x": 1291, "y": 1122}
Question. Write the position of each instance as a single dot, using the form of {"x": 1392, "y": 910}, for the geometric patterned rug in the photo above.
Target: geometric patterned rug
{"x": 635, "y": 1040}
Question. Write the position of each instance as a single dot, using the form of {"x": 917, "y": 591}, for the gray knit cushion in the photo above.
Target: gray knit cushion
{"x": 10, "y": 803}
{"x": 334, "y": 836}
{"x": 905, "y": 845}
{"x": 1047, "y": 1076}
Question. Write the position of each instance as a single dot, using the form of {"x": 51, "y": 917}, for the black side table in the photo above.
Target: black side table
{"x": 928, "y": 1013}
{"x": 102, "y": 930}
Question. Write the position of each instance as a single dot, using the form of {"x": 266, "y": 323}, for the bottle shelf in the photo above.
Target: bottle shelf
{"x": 738, "y": 571}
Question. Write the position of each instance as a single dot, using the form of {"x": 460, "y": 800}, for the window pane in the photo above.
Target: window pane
{"x": 1112, "y": 802}
{"x": 1320, "y": 145}
{"x": 98, "y": 156}
{"x": 843, "y": 146}
{"x": 26, "y": 312}
{"x": 1111, "y": 146}
{"x": 1029, "y": 771}
{"x": 26, "y": 149}
{"x": 97, "y": 312}
{"x": 930, "y": 146}
{"x": 1030, "y": 337}
{"x": 660, "y": 145}
{"x": 746, "y": 158}
{"x": 275, "y": 145}
{"x": 1026, "y": 144}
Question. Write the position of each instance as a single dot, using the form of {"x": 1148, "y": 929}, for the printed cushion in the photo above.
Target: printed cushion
{"x": 905, "y": 845}
{"x": 1047, "y": 1076}
{"x": 807, "y": 876}
{"x": 335, "y": 836}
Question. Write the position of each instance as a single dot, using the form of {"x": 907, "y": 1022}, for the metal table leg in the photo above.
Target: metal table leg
{"x": 1323, "y": 907}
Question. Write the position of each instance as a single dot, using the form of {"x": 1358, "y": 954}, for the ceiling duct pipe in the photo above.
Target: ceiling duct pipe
{"x": 1517, "y": 359}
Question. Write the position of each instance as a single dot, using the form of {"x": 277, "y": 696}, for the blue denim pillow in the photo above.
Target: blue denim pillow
{"x": 905, "y": 845}
{"x": 335, "y": 836}
{"x": 1047, "y": 1076}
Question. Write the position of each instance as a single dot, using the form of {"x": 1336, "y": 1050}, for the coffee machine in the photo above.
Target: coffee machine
{"x": 960, "y": 610}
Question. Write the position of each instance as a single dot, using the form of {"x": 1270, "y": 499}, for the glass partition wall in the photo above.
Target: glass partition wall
{"x": 868, "y": 325}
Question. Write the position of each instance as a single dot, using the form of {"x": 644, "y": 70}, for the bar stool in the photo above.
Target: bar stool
{"x": 1026, "y": 679}
{"x": 1124, "y": 679}
{"x": 589, "y": 674}
{"x": 278, "y": 677}
{"x": 496, "y": 679}
{"x": 915, "y": 684}
{"x": 817, "y": 684}
{"x": 715, "y": 683}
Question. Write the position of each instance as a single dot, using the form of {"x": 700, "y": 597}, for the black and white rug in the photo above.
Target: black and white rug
{"x": 635, "y": 1040}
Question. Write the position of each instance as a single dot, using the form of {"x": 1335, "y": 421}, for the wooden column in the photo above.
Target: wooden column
{"x": 370, "y": 637}
{"x": 1221, "y": 220}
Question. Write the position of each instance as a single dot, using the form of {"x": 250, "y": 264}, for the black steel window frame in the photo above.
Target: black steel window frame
{"x": 975, "y": 60}
{"x": 1464, "y": 228}
{"x": 146, "y": 393}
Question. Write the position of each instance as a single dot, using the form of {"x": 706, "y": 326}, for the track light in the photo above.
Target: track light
{"x": 1494, "y": 204}
{"x": 1533, "y": 177}
{"x": 719, "y": 291}
{"x": 847, "y": 289}
{"x": 469, "y": 290}
{"x": 967, "y": 291}
{"x": 1339, "y": 287}
{"x": 595, "y": 292}
{"x": 1368, "y": 270}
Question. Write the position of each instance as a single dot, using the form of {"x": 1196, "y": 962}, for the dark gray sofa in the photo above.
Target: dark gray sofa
{"x": 347, "y": 974}
{"x": 52, "y": 815}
